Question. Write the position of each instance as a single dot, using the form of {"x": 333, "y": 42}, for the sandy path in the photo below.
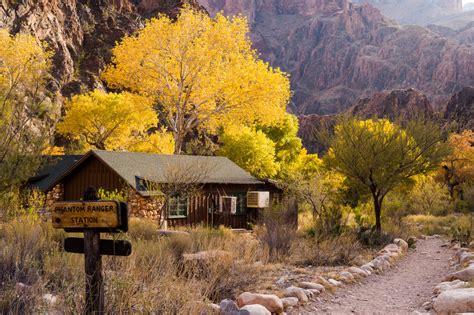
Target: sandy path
{"x": 401, "y": 290}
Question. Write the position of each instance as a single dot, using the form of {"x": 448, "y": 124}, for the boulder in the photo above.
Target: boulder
{"x": 466, "y": 258}
{"x": 368, "y": 267}
{"x": 346, "y": 276}
{"x": 298, "y": 293}
{"x": 392, "y": 248}
{"x": 455, "y": 301}
{"x": 451, "y": 285}
{"x": 228, "y": 306}
{"x": 466, "y": 274}
{"x": 335, "y": 282}
{"x": 322, "y": 281}
{"x": 289, "y": 301}
{"x": 254, "y": 309}
{"x": 311, "y": 285}
{"x": 411, "y": 241}
{"x": 270, "y": 301}
{"x": 357, "y": 272}
{"x": 401, "y": 243}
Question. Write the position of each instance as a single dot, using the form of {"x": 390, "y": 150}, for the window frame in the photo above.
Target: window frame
{"x": 241, "y": 203}
{"x": 180, "y": 201}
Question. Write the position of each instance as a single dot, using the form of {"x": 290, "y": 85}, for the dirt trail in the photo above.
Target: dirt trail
{"x": 401, "y": 290}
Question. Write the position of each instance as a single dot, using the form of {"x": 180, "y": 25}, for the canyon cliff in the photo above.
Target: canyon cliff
{"x": 81, "y": 33}
{"x": 337, "y": 52}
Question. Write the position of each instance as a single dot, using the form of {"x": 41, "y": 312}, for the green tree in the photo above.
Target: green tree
{"x": 376, "y": 156}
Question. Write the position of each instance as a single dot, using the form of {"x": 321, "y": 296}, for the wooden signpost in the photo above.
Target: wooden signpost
{"x": 93, "y": 217}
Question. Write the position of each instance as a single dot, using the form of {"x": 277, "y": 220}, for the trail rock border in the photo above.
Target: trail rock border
{"x": 304, "y": 297}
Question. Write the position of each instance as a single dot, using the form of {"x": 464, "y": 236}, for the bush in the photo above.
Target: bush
{"x": 277, "y": 232}
{"x": 455, "y": 226}
{"x": 344, "y": 249}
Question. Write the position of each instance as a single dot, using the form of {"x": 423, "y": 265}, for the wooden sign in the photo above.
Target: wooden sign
{"x": 106, "y": 247}
{"x": 86, "y": 215}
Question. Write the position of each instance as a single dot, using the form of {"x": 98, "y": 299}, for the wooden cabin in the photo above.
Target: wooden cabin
{"x": 177, "y": 190}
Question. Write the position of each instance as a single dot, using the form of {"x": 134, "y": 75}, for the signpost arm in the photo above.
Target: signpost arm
{"x": 93, "y": 266}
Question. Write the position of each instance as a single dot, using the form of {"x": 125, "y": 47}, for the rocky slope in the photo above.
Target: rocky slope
{"x": 460, "y": 109}
{"x": 403, "y": 104}
{"x": 421, "y": 12}
{"x": 336, "y": 52}
{"x": 81, "y": 32}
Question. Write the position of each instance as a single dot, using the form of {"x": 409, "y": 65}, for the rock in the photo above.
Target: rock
{"x": 369, "y": 267}
{"x": 50, "y": 298}
{"x": 401, "y": 243}
{"x": 311, "y": 285}
{"x": 466, "y": 274}
{"x": 171, "y": 233}
{"x": 411, "y": 241}
{"x": 466, "y": 258}
{"x": 281, "y": 282}
{"x": 270, "y": 301}
{"x": 298, "y": 293}
{"x": 254, "y": 309}
{"x": 392, "y": 248}
{"x": 322, "y": 281}
{"x": 346, "y": 276}
{"x": 228, "y": 306}
{"x": 209, "y": 255}
{"x": 357, "y": 272}
{"x": 335, "y": 282}
{"x": 452, "y": 285}
{"x": 313, "y": 292}
{"x": 455, "y": 301}
{"x": 289, "y": 301}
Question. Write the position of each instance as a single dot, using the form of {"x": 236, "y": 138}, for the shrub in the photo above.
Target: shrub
{"x": 344, "y": 249}
{"x": 277, "y": 232}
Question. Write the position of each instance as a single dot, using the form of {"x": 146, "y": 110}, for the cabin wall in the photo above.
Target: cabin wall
{"x": 93, "y": 173}
{"x": 204, "y": 208}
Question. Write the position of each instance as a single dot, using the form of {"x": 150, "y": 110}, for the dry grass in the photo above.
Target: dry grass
{"x": 154, "y": 278}
{"x": 455, "y": 226}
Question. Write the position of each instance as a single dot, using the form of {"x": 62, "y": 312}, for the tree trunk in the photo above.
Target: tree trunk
{"x": 378, "y": 210}
{"x": 178, "y": 143}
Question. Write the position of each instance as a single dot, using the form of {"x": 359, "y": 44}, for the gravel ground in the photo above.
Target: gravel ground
{"x": 401, "y": 290}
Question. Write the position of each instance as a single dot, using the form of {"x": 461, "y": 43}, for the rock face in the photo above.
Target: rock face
{"x": 405, "y": 104}
{"x": 392, "y": 104}
{"x": 81, "y": 33}
{"x": 460, "y": 109}
{"x": 337, "y": 52}
{"x": 419, "y": 12}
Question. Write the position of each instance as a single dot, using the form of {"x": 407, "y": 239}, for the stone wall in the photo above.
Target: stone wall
{"x": 55, "y": 194}
{"x": 143, "y": 207}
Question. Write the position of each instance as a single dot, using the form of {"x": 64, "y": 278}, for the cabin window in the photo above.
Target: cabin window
{"x": 241, "y": 202}
{"x": 177, "y": 207}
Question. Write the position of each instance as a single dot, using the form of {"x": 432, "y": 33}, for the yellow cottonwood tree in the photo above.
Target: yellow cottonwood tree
{"x": 202, "y": 73}
{"x": 108, "y": 121}
{"x": 27, "y": 112}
